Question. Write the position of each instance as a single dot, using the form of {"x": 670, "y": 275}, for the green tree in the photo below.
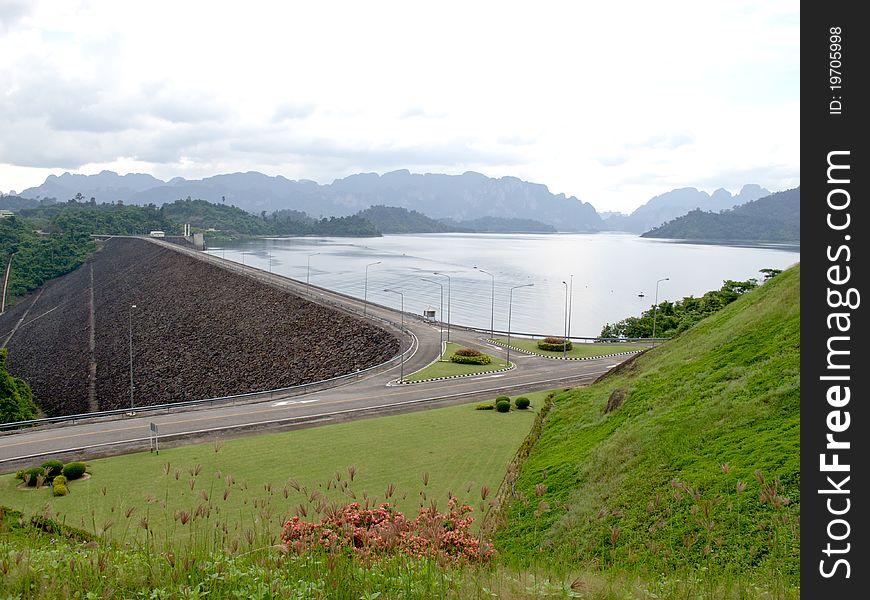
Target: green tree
{"x": 16, "y": 399}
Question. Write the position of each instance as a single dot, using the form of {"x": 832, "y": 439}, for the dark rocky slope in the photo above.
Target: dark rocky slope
{"x": 198, "y": 331}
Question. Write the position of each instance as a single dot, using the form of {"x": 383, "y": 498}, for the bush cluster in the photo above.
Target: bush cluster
{"x": 485, "y": 406}
{"x": 555, "y": 344}
{"x": 470, "y": 356}
{"x": 383, "y": 531}
{"x": 52, "y": 472}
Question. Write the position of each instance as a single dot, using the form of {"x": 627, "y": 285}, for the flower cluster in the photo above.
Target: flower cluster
{"x": 373, "y": 532}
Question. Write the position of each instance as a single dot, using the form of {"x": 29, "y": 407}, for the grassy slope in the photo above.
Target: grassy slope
{"x": 460, "y": 448}
{"x": 725, "y": 392}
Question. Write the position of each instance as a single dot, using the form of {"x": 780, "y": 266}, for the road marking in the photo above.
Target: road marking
{"x": 289, "y": 402}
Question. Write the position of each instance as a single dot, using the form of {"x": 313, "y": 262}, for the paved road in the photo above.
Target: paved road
{"x": 373, "y": 394}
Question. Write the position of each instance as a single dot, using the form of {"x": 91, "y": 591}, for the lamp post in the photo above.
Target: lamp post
{"x": 402, "y": 368}
{"x": 448, "y": 301}
{"x": 492, "y": 304}
{"x": 565, "y": 331}
{"x": 130, "y": 338}
{"x": 570, "y": 304}
{"x": 308, "y": 272}
{"x": 656, "y": 305}
{"x": 440, "y": 314}
{"x": 510, "y": 306}
{"x": 366, "y": 287}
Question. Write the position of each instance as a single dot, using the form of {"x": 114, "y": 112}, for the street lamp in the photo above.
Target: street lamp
{"x": 448, "y": 301}
{"x": 132, "y": 306}
{"x": 402, "y": 368}
{"x": 565, "y": 339}
{"x": 570, "y": 305}
{"x": 510, "y": 306}
{"x": 440, "y": 314}
{"x": 492, "y": 306}
{"x": 656, "y": 305}
{"x": 366, "y": 287}
{"x": 308, "y": 272}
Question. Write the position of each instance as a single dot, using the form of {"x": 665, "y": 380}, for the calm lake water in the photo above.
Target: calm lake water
{"x": 609, "y": 271}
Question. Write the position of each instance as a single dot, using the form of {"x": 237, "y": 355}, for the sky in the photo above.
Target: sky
{"x": 611, "y": 102}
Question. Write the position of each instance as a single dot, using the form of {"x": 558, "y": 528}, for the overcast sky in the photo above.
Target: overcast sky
{"x": 612, "y": 102}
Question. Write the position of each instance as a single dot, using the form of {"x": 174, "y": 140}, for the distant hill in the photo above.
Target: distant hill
{"x": 774, "y": 218}
{"x": 391, "y": 219}
{"x": 16, "y": 203}
{"x": 675, "y": 203}
{"x": 502, "y": 225}
{"x": 462, "y": 197}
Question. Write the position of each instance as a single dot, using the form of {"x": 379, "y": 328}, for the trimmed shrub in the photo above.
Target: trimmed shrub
{"x": 58, "y": 486}
{"x": 53, "y": 468}
{"x": 555, "y": 344}
{"x": 32, "y": 475}
{"x": 74, "y": 470}
{"x": 500, "y": 398}
{"x": 522, "y": 403}
{"x": 485, "y": 406}
{"x": 472, "y": 359}
{"x": 503, "y": 405}
{"x": 468, "y": 352}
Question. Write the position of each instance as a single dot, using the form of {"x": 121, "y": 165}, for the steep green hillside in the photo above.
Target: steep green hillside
{"x": 698, "y": 469}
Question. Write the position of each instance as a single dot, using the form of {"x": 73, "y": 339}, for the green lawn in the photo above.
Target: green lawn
{"x": 461, "y": 449}
{"x": 445, "y": 368}
{"x": 578, "y": 351}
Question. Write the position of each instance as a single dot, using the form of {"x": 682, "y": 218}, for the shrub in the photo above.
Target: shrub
{"x": 74, "y": 470}
{"x": 485, "y": 406}
{"x": 58, "y": 486}
{"x": 503, "y": 405}
{"x": 53, "y": 468}
{"x": 555, "y": 344}
{"x": 32, "y": 475}
{"x": 475, "y": 359}
{"x": 468, "y": 352}
{"x": 522, "y": 403}
{"x": 383, "y": 531}
{"x": 500, "y": 398}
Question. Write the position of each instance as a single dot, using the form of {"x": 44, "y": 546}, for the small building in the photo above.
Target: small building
{"x": 5, "y": 214}
{"x": 157, "y": 233}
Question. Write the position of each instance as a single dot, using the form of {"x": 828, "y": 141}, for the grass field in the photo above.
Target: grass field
{"x": 578, "y": 350}
{"x": 458, "y": 448}
{"x": 445, "y": 368}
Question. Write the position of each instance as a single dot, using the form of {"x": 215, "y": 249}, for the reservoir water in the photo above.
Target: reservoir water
{"x": 610, "y": 272}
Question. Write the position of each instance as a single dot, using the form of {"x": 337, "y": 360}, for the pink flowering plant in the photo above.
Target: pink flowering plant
{"x": 384, "y": 531}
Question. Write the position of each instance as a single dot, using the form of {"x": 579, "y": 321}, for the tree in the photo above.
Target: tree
{"x": 16, "y": 399}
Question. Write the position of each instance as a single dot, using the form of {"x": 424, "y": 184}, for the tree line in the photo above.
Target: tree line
{"x": 672, "y": 318}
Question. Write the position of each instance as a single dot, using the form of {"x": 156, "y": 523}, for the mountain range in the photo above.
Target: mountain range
{"x": 454, "y": 199}
{"x": 675, "y": 203}
{"x": 774, "y": 218}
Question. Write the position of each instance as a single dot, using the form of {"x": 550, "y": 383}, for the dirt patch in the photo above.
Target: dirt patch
{"x": 198, "y": 331}
{"x": 617, "y": 397}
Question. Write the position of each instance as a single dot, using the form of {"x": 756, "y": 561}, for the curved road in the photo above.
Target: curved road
{"x": 369, "y": 395}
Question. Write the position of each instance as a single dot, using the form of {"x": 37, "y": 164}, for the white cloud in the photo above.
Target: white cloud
{"x": 611, "y": 103}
